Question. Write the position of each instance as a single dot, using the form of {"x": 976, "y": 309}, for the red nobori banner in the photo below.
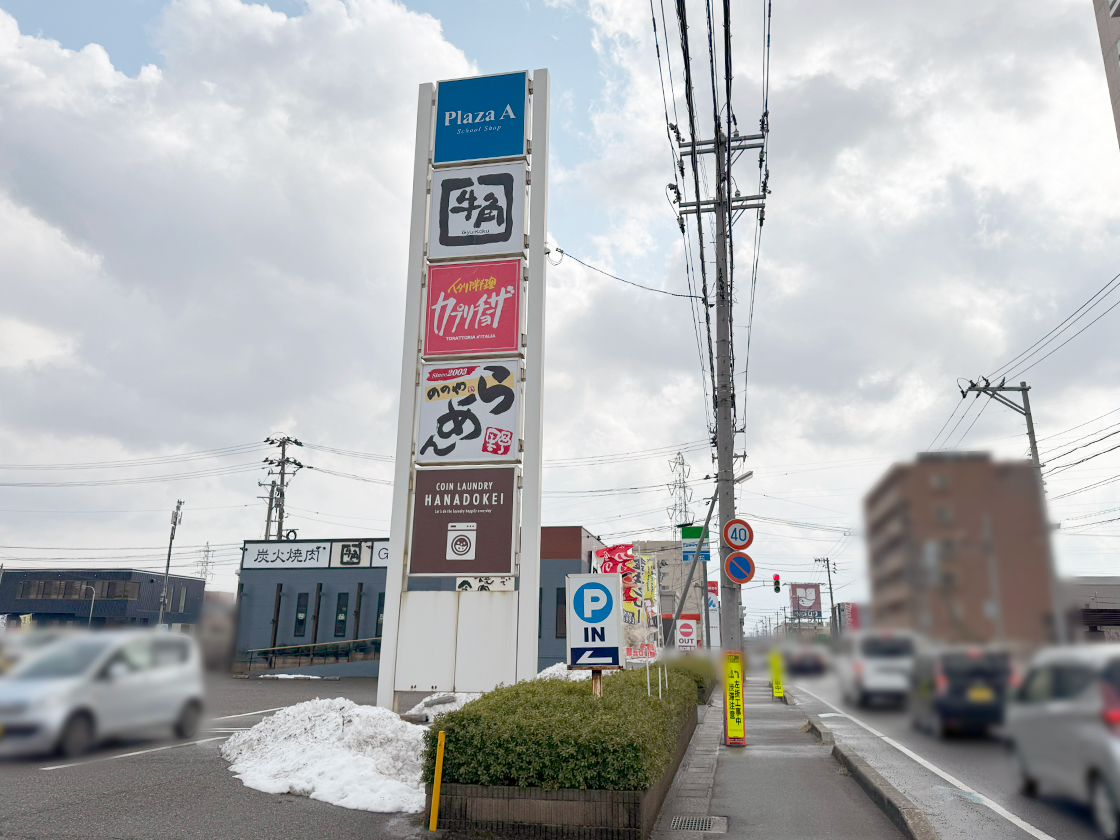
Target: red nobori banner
{"x": 473, "y": 308}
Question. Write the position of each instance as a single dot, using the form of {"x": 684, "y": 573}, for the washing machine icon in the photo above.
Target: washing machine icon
{"x": 461, "y": 538}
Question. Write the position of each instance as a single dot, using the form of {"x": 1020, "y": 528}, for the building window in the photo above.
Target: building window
{"x": 380, "y": 613}
{"x": 301, "y": 614}
{"x": 183, "y": 598}
{"x": 943, "y": 514}
{"x": 561, "y": 614}
{"x": 937, "y": 481}
{"x": 340, "y": 615}
{"x": 78, "y": 590}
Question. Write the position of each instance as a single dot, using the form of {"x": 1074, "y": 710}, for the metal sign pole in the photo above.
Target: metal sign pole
{"x": 530, "y": 558}
{"x": 402, "y": 478}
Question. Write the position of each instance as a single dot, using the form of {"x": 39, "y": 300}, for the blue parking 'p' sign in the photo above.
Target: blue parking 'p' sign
{"x": 481, "y": 117}
{"x": 593, "y": 603}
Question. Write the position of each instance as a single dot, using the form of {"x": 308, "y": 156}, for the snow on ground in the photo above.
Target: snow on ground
{"x": 362, "y": 757}
{"x": 437, "y": 704}
{"x": 560, "y": 671}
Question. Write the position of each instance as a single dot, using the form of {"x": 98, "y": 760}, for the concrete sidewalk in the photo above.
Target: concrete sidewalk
{"x": 782, "y": 786}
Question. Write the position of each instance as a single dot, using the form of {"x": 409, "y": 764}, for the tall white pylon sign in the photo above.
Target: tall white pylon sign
{"x": 467, "y": 482}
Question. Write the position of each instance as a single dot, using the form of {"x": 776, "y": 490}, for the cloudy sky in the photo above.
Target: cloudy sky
{"x": 203, "y": 232}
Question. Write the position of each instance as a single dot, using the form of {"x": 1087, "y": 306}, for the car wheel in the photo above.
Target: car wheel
{"x": 1025, "y": 781}
{"x": 77, "y": 736}
{"x": 1105, "y": 812}
{"x": 187, "y": 724}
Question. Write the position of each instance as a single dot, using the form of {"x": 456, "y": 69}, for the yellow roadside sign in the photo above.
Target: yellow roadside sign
{"x": 734, "y": 727}
{"x": 25, "y": 621}
{"x": 776, "y": 673}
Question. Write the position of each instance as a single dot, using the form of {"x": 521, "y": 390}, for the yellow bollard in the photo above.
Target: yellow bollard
{"x": 435, "y": 784}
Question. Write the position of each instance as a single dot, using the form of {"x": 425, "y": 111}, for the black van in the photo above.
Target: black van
{"x": 954, "y": 689}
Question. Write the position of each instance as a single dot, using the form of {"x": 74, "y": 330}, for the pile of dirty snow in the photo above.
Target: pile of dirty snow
{"x": 437, "y": 704}
{"x": 362, "y": 757}
{"x": 560, "y": 671}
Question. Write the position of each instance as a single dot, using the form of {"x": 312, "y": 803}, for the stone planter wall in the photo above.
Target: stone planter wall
{"x": 559, "y": 814}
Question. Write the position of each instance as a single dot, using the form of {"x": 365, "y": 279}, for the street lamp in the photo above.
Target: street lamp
{"x": 86, "y": 586}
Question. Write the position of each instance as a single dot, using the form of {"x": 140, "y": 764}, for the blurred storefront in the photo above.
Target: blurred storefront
{"x": 118, "y": 597}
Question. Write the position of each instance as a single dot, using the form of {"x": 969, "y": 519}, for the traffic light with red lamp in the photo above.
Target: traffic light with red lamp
{"x": 777, "y": 583}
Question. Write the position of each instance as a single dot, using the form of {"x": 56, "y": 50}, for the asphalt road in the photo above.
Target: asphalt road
{"x": 981, "y": 763}
{"x": 182, "y": 789}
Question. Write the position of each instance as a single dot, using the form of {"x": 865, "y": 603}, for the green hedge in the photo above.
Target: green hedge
{"x": 700, "y": 667}
{"x": 555, "y": 734}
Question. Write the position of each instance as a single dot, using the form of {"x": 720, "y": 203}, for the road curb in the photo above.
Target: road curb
{"x": 898, "y": 808}
{"x": 823, "y": 733}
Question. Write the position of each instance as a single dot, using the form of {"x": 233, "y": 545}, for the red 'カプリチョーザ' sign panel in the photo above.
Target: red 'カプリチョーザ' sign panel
{"x": 473, "y": 308}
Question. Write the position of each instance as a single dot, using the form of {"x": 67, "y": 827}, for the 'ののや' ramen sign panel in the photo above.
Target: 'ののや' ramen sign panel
{"x": 469, "y": 412}
{"x": 463, "y": 521}
{"x": 473, "y": 308}
{"x": 477, "y": 211}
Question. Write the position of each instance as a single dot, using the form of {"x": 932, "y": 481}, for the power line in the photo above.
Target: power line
{"x": 564, "y": 253}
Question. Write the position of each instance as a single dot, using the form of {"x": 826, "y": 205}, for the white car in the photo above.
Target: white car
{"x": 1064, "y": 727}
{"x": 875, "y": 664}
{"x": 87, "y": 687}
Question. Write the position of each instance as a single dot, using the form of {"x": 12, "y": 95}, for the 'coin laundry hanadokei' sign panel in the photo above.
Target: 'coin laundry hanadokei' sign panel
{"x": 473, "y": 308}
{"x": 469, "y": 412}
{"x": 477, "y": 211}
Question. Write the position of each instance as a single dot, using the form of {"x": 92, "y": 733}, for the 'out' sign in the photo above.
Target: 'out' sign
{"x": 595, "y": 621}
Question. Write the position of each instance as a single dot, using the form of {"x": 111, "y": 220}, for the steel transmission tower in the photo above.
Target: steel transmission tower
{"x": 680, "y": 513}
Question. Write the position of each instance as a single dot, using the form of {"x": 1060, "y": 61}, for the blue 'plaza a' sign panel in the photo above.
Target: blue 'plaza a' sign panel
{"x": 480, "y": 118}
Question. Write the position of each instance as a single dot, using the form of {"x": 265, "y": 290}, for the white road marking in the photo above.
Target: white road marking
{"x": 249, "y": 714}
{"x": 131, "y": 754}
{"x": 957, "y": 783}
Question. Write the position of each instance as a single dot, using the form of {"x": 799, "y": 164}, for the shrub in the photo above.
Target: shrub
{"x": 555, "y": 734}
{"x": 700, "y": 667}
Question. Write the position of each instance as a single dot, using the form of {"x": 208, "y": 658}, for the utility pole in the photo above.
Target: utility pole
{"x": 996, "y": 392}
{"x": 283, "y": 462}
{"x": 176, "y": 518}
{"x": 831, "y": 599}
{"x": 271, "y": 505}
{"x": 724, "y": 205}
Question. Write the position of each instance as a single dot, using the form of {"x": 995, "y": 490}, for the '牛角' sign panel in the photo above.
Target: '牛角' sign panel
{"x": 463, "y": 521}
{"x": 469, "y": 412}
{"x": 473, "y": 308}
{"x": 482, "y": 117}
{"x": 477, "y": 211}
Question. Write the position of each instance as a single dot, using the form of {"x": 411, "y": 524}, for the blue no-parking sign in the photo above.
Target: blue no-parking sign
{"x": 481, "y": 117}
{"x": 595, "y": 635}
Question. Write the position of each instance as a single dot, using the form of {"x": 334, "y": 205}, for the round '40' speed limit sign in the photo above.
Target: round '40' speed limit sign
{"x": 738, "y": 534}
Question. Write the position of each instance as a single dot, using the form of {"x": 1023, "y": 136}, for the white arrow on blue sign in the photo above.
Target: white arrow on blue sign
{"x": 595, "y": 632}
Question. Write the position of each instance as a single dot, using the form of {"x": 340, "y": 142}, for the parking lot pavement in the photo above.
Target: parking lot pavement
{"x": 979, "y": 764}
{"x": 182, "y": 789}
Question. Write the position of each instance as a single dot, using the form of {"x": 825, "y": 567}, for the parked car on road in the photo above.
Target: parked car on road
{"x": 958, "y": 688}
{"x": 1064, "y": 729}
{"x": 875, "y": 665}
{"x": 87, "y": 687}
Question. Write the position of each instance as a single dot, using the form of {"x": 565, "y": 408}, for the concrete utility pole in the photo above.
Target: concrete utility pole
{"x": 996, "y": 392}
{"x": 831, "y": 599}
{"x": 283, "y": 462}
{"x": 271, "y": 505}
{"x": 176, "y": 518}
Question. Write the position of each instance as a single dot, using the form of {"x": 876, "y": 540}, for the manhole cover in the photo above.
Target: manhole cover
{"x": 691, "y": 824}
